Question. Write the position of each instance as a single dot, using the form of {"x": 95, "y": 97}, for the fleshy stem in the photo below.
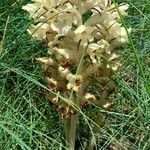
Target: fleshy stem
{"x": 67, "y": 128}
{"x": 75, "y": 118}
{"x": 72, "y": 132}
{"x": 74, "y": 121}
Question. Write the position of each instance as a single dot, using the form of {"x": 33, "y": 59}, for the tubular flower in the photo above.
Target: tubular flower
{"x": 75, "y": 82}
{"x": 82, "y": 36}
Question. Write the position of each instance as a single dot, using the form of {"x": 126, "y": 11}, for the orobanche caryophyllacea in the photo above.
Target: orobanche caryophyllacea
{"x": 82, "y": 38}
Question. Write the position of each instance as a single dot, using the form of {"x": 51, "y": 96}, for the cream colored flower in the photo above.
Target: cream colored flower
{"x": 80, "y": 5}
{"x": 114, "y": 66}
{"x": 45, "y": 60}
{"x": 63, "y": 71}
{"x": 121, "y": 38}
{"x": 39, "y": 7}
{"x": 39, "y": 31}
{"x": 122, "y": 8}
{"x": 95, "y": 50}
{"x": 104, "y": 47}
{"x": 90, "y": 97}
{"x": 68, "y": 18}
{"x": 112, "y": 57}
{"x": 67, "y": 54}
{"x": 97, "y": 18}
{"x": 51, "y": 15}
{"x": 32, "y": 9}
{"x": 46, "y": 63}
{"x": 61, "y": 53}
{"x": 52, "y": 82}
{"x": 71, "y": 14}
{"x": 92, "y": 51}
{"x": 84, "y": 34}
{"x": 75, "y": 82}
{"x": 87, "y": 99}
{"x": 60, "y": 29}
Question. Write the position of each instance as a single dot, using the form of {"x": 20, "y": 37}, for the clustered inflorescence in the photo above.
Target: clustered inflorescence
{"x": 82, "y": 38}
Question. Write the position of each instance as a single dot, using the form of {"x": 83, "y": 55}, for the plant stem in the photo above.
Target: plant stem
{"x": 75, "y": 117}
{"x": 67, "y": 128}
{"x": 73, "y": 129}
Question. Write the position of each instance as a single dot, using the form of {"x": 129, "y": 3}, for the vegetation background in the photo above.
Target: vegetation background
{"x": 28, "y": 121}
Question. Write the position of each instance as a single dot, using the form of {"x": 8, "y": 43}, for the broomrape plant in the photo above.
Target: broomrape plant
{"x": 82, "y": 38}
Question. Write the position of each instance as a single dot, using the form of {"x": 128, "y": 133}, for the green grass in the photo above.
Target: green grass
{"x": 28, "y": 121}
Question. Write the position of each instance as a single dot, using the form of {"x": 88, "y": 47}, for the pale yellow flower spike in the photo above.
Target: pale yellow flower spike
{"x": 82, "y": 37}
